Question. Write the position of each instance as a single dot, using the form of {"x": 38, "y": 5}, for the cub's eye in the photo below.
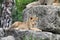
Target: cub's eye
{"x": 31, "y": 18}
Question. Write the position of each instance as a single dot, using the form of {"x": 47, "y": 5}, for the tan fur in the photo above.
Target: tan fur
{"x": 56, "y": 3}
{"x": 29, "y": 25}
{"x": 40, "y": 2}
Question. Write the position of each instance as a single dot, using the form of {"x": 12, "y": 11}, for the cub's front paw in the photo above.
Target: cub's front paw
{"x": 36, "y": 29}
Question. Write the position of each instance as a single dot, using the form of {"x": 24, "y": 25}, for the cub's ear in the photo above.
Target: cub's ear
{"x": 55, "y": 1}
{"x": 36, "y": 18}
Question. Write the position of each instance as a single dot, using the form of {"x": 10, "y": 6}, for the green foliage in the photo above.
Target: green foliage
{"x": 31, "y": 37}
{"x": 1, "y": 1}
{"x": 20, "y": 6}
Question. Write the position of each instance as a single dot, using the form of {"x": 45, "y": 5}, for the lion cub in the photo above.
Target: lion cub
{"x": 29, "y": 25}
{"x": 56, "y": 2}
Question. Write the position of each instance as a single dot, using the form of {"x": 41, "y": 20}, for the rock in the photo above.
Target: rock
{"x": 30, "y": 35}
{"x": 39, "y": 35}
{"x": 49, "y": 17}
{"x": 1, "y": 32}
{"x": 8, "y": 38}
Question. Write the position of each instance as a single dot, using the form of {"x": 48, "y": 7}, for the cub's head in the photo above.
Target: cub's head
{"x": 33, "y": 20}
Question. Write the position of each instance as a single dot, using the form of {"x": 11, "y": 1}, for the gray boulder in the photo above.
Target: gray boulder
{"x": 8, "y": 38}
{"x": 30, "y": 35}
{"x": 49, "y": 17}
{"x": 1, "y": 32}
